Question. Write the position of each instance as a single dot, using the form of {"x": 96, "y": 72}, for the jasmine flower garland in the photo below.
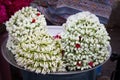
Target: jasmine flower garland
{"x": 32, "y": 47}
{"x": 26, "y": 22}
{"x": 85, "y": 42}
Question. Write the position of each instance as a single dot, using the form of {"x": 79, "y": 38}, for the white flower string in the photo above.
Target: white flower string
{"x": 83, "y": 45}
{"x": 85, "y": 42}
{"x": 32, "y": 47}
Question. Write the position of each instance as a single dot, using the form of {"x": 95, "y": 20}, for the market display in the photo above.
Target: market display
{"x": 83, "y": 44}
{"x": 32, "y": 47}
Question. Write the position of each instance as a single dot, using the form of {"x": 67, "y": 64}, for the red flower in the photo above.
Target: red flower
{"x": 57, "y": 37}
{"x": 38, "y": 14}
{"x": 7, "y": 2}
{"x": 3, "y": 14}
{"x": 33, "y": 20}
{"x": 77, "y": 45}
{"x": 79, "y": 63}
{"x": 90, "y": 63}
{"x": 17, "y": 5}
{"x": 9, "y": 7}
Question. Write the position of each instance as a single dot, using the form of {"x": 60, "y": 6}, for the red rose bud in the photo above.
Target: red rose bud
{"x": 33, "y": 20}
{"x": 90, "y": 63}
{"x": 78, "y": 63}
{"x": 38, "y": 14}
{"x": 57, "y": 37}
{"x": 77, "y": 45}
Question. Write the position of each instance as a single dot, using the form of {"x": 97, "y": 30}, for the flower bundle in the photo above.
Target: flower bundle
{"x": 83, "y": 45}
{"x": 32, "y": 47}
{"x": 85, "y": 42}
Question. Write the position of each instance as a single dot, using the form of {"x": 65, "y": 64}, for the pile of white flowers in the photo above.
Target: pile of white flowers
{"x": 32, "y": 47}
{"x": 85, "y": 42}
{"x": 83, "y": 45}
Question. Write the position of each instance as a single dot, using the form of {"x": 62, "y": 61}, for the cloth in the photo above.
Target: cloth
{"x": 57, "y": 11}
